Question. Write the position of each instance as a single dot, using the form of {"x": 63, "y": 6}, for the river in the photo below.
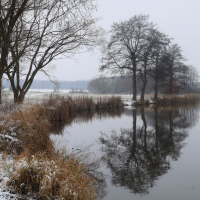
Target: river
{"x": 149, "y": 153}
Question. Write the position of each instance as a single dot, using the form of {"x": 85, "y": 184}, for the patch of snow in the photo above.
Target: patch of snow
{"x": 9, "y": 137}
{"x": 4, "y": 182}
{"x": 6, "y": 167}
{"x": 138, "y": 97}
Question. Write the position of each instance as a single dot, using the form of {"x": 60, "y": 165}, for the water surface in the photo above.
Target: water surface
{"x": 150, "y": 153}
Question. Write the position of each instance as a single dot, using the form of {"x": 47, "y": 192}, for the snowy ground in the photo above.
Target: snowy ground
{"x": 6, "y": 166}
{"x": 36, "y": 95}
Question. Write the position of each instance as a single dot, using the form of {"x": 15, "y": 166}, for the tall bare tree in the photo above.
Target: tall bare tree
{"x": 54, "y": 29}
{"x": 174, "y": 62}
{"x": 10, "y": 12}
{"x": 123, "y": 52}
{"x": 154, "y": 41}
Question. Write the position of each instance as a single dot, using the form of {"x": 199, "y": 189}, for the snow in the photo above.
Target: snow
{"x": 6, "y": 167}
{"x": 9, "y": 137}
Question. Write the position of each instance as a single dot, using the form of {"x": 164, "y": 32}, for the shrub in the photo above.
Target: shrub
{"x": 32, "y": 129}
{"x": 57, "y": 178}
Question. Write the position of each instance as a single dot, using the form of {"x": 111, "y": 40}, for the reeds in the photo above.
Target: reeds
{"x": 55, "y": 178}
{"x": 178, "y": 99}
{"x": 58, "y": 108}
{"x": 168, "y": 100}
{"x": 146, "y": 102}
{"x": 31, "y": 128}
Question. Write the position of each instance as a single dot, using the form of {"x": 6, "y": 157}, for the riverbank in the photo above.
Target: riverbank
{"x": 35, "y": 167}
{"x": 167, "y": 100}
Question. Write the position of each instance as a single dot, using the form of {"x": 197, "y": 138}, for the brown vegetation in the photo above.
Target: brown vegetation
{"x": 38, "y": 168}
{"x": 31, "y": 127}
{"x": 58, "y": 108}
{"x": 175, "y": 88}
{"x": 55, "y": 178}
{"x": 168, "y": 100}
{"x": 178, "y": 99}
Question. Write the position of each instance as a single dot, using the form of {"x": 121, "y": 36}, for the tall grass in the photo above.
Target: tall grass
{"x": 31, "y": 128}
{"x": 58, "y": 108}
{"x": 55, "y": 178}
{"x": 178, "y": 99}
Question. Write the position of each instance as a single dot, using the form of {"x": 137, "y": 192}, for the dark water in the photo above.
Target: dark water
{"x": 149, "y": 153}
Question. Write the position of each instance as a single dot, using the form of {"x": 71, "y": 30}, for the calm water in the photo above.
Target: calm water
{"x": 150, "y": 154}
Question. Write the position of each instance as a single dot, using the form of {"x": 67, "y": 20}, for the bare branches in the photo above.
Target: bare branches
{"x": 52, "y": 29}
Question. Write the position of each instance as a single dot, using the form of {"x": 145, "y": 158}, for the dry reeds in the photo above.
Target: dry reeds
{"x": 107, "y": 103}
{"x": 55, "y": 178}
{"x": 32, "y": 129}
{"x": 58, "y": 108}
{"x": 146, "y": 102}
{"x": 178, "y": 99}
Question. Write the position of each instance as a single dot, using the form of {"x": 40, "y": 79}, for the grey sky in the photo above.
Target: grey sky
{"x": 180, "y": 19}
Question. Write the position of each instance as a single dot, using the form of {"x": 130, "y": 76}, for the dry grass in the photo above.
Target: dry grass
{"x": 107, "y": 103}
{"x": 31, "y": 127}
{"x": 178, "y": 99}
{"x": 55, "y": 178}
{"x": 58, "y": 108}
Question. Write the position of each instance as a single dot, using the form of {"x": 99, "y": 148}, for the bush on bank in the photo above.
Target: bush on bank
{"x": 52, "y": 178}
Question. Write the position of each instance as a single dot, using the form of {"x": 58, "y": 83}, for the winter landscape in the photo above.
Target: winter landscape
{"x": 99, "y": 100}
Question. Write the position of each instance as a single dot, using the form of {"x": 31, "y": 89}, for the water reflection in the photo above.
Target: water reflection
{"x": 85, "y": 117}
{"x": 137, "y": 157}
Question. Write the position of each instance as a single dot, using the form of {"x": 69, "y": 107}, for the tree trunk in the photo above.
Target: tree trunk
{"x": 156, "y": 89}
{"x": 156, "y": 81}
{"x": 21, "y": 97}
{"x": 144, "y": 80}
{"x": 0, "y": 89}
{"x": 134, "y": 86}
{"x": 170, "y": 86}
{"x": 16, "y": 98}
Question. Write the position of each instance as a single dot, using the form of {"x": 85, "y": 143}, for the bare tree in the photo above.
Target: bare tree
{"x": 57, "y": 85}
{"x": 193, "y": 75}
{"x": 155, "y": 40}
{"x": 54, "y": 29}
{"x": 101, "y": 85}
{"x": 157, "y": 62}
{"x": 10, "y": 12}
{"x": 174, "y": 61}
{"x": 123, "y": 52}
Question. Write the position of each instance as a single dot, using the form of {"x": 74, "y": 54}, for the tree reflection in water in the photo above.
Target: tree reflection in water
{"x": 58, "y": 127}
{"x": 137, "y": 157}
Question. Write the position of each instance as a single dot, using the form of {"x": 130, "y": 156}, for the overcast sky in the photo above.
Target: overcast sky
{"x": 179, "y": 19}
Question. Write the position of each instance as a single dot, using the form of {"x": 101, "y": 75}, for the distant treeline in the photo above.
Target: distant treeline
{"x": 118, "y": 85}
{"x": 46, "y": 84}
